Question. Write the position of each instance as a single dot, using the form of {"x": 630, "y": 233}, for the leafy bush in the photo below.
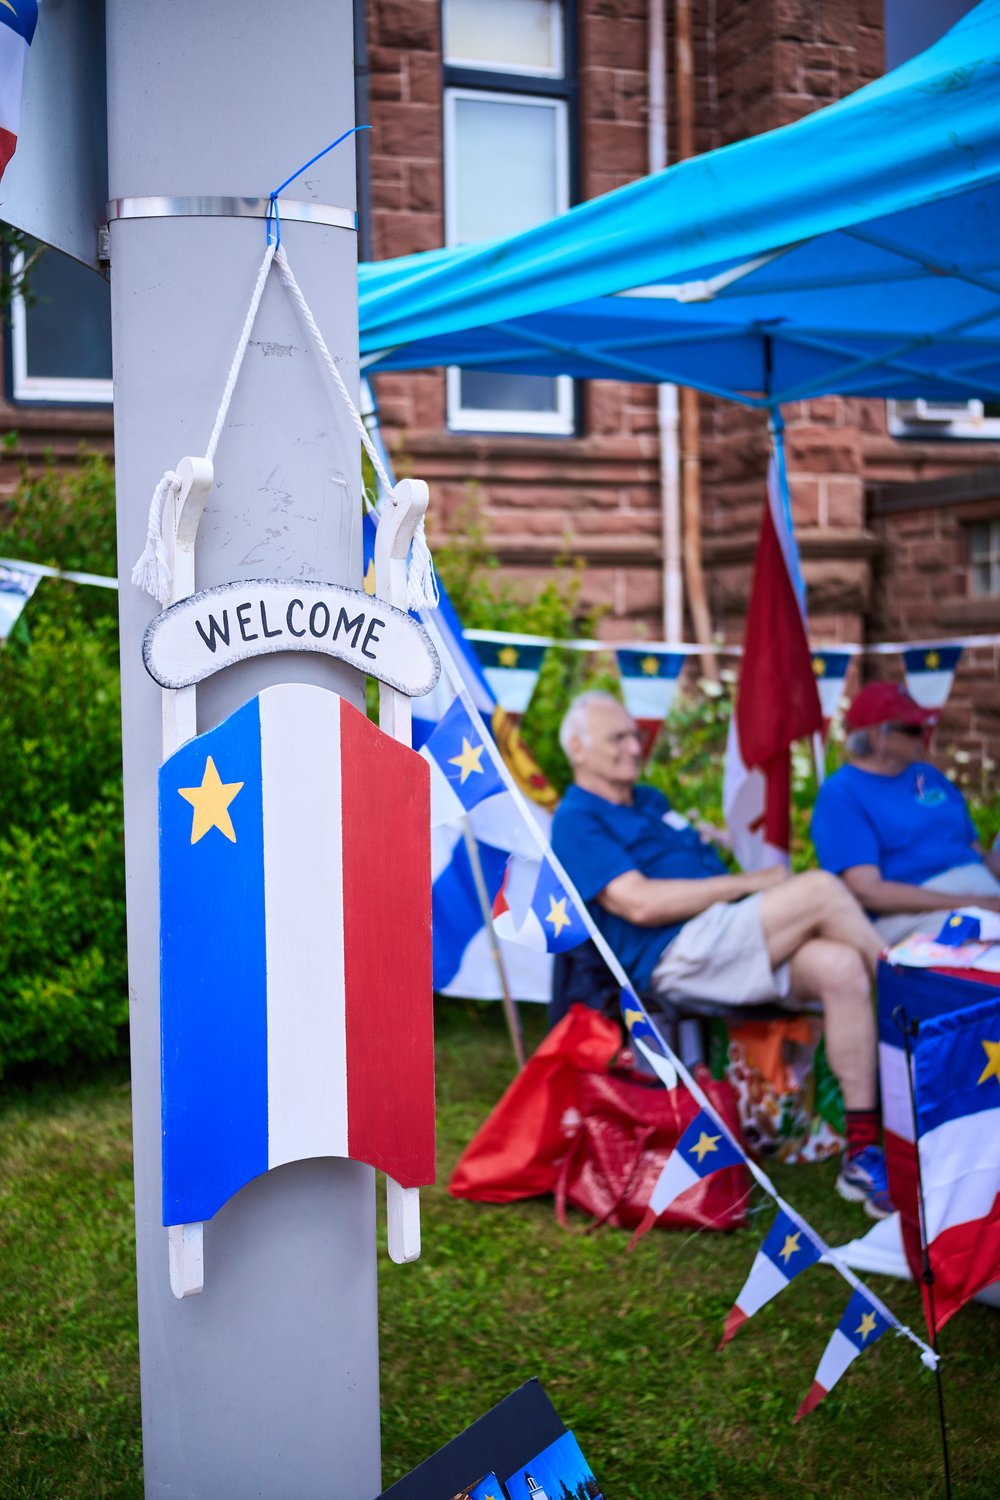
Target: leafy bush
{"x": 63, "y": 985}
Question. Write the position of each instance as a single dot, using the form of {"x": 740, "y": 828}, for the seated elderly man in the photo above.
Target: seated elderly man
{"x": 895, "y": 829}
{"x": 683, "y": 927}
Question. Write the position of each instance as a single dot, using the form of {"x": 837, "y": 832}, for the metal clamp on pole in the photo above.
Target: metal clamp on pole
{"x": 208, "y": 207}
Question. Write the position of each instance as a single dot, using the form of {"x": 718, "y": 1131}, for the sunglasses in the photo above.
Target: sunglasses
{"x": 912, "y": 731}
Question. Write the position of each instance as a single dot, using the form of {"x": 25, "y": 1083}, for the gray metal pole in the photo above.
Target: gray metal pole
{"x": 267, "y": 1383}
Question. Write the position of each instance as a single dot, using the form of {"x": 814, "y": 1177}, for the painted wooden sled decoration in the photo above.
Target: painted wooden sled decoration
{"x": 287, "y": 1030}
{"x": 343, "y": 1063}
{"x": 217, "y": 627}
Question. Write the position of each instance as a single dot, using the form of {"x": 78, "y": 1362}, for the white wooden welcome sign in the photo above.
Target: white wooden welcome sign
{"x": 219, "y": 626}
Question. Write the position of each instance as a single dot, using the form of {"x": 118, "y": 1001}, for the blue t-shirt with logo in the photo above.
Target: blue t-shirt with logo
{"x": 913, "y": 826}
{"x": 597, "y": 840}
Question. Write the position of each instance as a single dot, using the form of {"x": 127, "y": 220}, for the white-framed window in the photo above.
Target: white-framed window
{"x": 975, "y": 420}
{"x": 507, "y": 155}
{"x": 528, "y": 40}
{"x": 984, "y": 558}
{"x": 60, "y": 333}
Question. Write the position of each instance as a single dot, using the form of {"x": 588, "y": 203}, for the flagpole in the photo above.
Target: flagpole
{"x": 510, "y": 1010}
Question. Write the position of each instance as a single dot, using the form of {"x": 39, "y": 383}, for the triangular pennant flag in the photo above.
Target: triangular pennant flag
{"x": 462, "y": 773}
{"x": 466, "y": 783}
{"x": 930, "y": 672}
{"x": 859, "y": 1328}
{"x": 649, "y": 681}
{"x": 16, "y": 588}
{"x": 704, "y": 1148}
{"x": 786, "y": 1252}
{"x": 533, "y": 909}
{"x": 830, "y": 671}
{"x": 645, "y": 1038}
{"x": 511, "y": 668}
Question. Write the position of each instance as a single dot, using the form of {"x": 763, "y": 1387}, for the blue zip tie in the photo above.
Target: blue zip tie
{"x": 272, "y": 207}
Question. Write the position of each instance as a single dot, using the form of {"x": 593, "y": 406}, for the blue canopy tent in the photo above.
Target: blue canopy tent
{"x": 856, "y": 251}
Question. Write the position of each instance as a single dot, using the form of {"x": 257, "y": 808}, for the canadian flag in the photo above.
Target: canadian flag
{"x": 776, "y": 699}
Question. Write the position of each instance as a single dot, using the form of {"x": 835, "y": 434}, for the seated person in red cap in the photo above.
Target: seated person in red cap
{"x": 894, "y": 828}
{"x": 684, "y": 927}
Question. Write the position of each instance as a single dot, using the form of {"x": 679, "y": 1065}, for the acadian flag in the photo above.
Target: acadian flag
{"x": 511, "y": 667}
{"x": 531, "y": 907}
{"x": 859, "y": 1328}
{"x": 649, "y": 681}
{"x": 465, "y": 782}
{"x": 19, "y": 18}
{"x": 830, "y": 670}
{"x": 704, "y": 1148}
{"x": 956, "y": 1083}
{"x": 776, "y": 702}
{"x": 645, "y": 1037}
{"x": 787, "y": 1251}
{"x": 930, "y": 672}
{"x": 294, "y": 877}
{"x": 16, "y": 588}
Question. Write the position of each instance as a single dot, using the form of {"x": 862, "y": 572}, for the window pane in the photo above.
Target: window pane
{"x": 506, "y": 161}
{"x": 68, "y": 321}
{"x": 484, "y": 391}
{"x": 526, "y": 39}
{"x": 979, "y": 540}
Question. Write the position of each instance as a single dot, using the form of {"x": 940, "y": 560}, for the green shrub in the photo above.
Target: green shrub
{"x": 63, "y": 985}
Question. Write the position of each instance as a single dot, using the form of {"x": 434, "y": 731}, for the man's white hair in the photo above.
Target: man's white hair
{"x": 576, "y": 720}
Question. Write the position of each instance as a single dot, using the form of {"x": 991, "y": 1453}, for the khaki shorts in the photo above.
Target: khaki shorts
{"x": 964, "y": 880}
{"x": 721, "y": 955}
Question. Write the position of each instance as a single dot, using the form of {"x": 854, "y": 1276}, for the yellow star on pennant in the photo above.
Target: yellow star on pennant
{"x": 932, "y": 661}
{"x": 992, "y": 1068}
{"x": 819, "y": 666}
{"x": 507, "y": 656}
{"x": 703, "y": 1145}
{"x": 211, "y": 803}
{"x": 631, "y": 1016}
{"x": 790, "y": 1246}
{"x": 650, "y": 666}
{"x": 468, "y": 761}
{"x": 866, "y": 1326}
{"x": 370, "y": 577}
{"x": 557, "y": 916}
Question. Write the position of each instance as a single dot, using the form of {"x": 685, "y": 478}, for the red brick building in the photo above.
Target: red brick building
{"x": 489, "y": 115}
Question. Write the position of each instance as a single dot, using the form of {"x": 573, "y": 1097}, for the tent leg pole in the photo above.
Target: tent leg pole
{"x": 509, "y": 1005}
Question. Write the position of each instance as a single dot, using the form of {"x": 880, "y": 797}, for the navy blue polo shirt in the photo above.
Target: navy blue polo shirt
{"x": 911, "y": 826}
{"x": 597, "y": 840}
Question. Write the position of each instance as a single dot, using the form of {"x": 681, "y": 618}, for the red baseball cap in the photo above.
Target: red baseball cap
{"x": 885, "y": 703}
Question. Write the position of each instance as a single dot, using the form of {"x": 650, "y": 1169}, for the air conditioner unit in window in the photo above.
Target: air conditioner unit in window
{"x": 936, "y": 413}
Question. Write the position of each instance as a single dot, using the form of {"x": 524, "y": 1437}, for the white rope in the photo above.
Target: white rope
{"x": 152, "y": 572}
{"x": 241, "y": 349}
{"x": 421, "y": 584}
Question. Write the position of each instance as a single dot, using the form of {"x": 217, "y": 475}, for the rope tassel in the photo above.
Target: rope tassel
{"x": 152, "y": 572}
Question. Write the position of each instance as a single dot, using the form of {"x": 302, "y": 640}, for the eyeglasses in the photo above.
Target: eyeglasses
{"x": 912, "y": 731}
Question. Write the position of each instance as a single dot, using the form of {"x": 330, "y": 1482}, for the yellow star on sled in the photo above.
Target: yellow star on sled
{"x": 468, "y": 761}
{"x": 557, "y": 916}
{"x": 992, "y": 1068}
{"x": 211, "y": 803}
{"x": 866, "y": 1326}
{"x": 704, "y": 1144}
{"x": 790, "y": 1246}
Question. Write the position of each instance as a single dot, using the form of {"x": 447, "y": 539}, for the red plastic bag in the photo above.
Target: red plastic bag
{"x": 517, "y": 1151}
{"x": 630, "y": 1126}
{"x": 596, "y": 1139}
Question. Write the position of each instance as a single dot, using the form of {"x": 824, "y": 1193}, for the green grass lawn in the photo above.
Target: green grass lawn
{"x": 624, "y": 1344}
